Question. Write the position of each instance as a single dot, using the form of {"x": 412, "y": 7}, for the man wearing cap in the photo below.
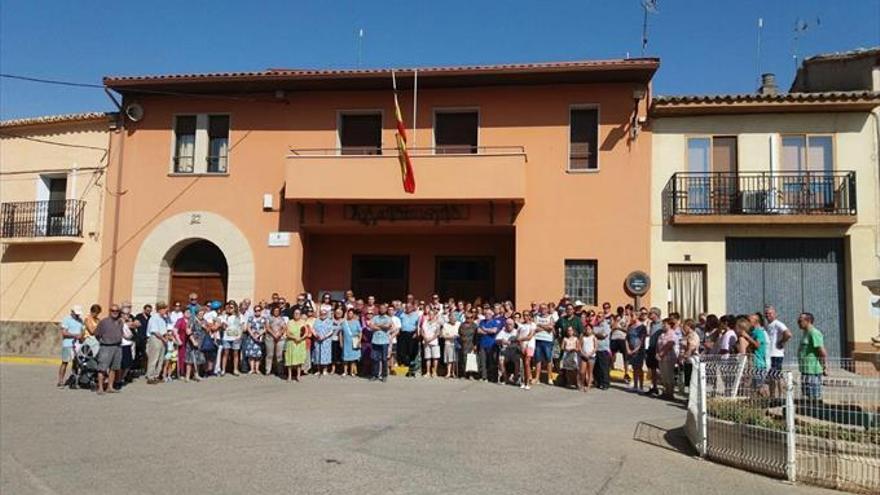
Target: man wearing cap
{"x": 157, "y": 327}
{"x": 71, "y": 331}
{"x": 109, "y": 335}
{"x": 570, "y": 319}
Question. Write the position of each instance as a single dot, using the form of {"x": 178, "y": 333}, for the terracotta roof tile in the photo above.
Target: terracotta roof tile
{"x": 54, "y": 119}
{"x": 281, "y": 73}
{"x": 829, "y": 96}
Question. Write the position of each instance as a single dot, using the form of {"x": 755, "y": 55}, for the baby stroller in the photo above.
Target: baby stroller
{"x": 85, "y": 370}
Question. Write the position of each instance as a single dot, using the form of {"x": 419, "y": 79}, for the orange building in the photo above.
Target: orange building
{"x": 532, "y": 180}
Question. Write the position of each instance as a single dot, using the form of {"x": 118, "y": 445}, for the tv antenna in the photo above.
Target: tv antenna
{"x": 649, "y": 6}
{"x": 360, "y": 46}
{"x": 800, "y": 29}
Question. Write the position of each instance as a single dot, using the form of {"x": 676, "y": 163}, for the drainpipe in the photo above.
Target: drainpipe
{"x": 876, "y": 114}
{"x": 120, "y": 128}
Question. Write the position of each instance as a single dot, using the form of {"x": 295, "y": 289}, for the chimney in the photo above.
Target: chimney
{"x": 768, "y": 85}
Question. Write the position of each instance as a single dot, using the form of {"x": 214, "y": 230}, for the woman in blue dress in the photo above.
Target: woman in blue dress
{"x": 351, "y": 342}
{"x": 322, "y": 348}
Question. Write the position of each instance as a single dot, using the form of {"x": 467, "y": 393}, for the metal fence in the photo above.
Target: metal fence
{"x": 54, "y": 218}
{"x": 818, "y": 429}
{"x": 762, "y": 193}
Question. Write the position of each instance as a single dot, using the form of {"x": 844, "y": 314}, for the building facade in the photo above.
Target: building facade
{"x": 52, "y": 188}
{"x": 531, "y": 181}
{"x": 769, "y": 198}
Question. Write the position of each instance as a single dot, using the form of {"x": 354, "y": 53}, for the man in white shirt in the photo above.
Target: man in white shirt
{"x": 777, "y": 335}
{"x": 157, "y": 327}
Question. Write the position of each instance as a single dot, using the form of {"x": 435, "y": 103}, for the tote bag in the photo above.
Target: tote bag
{"x": 470, "y": 363}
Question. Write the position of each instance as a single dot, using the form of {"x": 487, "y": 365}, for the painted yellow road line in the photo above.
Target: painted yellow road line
{"x": 29, "y": 360}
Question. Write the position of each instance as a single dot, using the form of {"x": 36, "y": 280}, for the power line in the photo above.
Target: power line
{"x": 54, "y": 143}
{"x": 209, "y": 96}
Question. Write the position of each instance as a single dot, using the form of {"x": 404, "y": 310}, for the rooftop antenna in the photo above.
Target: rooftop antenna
{"x": 360, "y": 46}
{"x": 800, "y": 28}
{"x": 758, "y": 50}
{"x": 647, "y": 6}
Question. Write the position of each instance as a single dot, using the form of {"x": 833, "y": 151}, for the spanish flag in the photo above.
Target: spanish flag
{"x": 406, "y": 169}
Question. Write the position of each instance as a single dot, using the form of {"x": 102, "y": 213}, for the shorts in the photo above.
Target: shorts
{"x": 171, "y": 356}
{"x": 127, "y": 360}
{"x": 235, "y": 345}
{"x": 618, "y": 346}
{"x": 811, "y": 386}
{"x": 529, "y": 350}
{"x": 637, "y": 360}
{"x": 66, "y": 354}
{"x": 776, "y": 363}
{"x": 431, "y": 351}
{"x": 543, "y": 351}
{"x": 109, "y": 358}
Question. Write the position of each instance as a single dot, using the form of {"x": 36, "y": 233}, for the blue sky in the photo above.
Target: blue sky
{"x": 705, "y": 46}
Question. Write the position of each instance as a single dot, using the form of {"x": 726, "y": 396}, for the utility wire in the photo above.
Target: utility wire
{"x": 55, "y": 143}
{"x": 208, "y": 96}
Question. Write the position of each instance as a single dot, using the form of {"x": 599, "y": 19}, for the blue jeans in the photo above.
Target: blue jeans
{"x": 380, "y": 360}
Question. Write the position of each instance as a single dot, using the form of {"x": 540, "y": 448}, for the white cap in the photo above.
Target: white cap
{"x": 578, "y": 303}
{"x": 77, "y": 310}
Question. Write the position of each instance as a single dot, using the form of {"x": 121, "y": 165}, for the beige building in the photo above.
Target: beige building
{"x": 52, "y": 185}
{"x": 769, "y": 198}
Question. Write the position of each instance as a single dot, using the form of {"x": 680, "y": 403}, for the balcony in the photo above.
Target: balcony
{"x": 761, "y": 198}
{"x": 492, "y": 173}
{"x": 58, "y": 221}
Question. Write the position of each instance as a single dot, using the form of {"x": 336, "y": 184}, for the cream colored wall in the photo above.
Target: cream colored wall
{"x": 39, "y": 282}
{"x": 855, "y": 148}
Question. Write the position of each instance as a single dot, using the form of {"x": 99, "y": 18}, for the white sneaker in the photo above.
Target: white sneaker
{"x": 527, "y": 387}
{"x": 522, "y": 385}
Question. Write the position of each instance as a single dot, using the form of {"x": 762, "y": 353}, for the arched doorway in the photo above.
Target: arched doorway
{"x": 200, "y": 267}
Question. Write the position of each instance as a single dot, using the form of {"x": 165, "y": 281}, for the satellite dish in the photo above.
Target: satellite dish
{"x": 134, "y": 112}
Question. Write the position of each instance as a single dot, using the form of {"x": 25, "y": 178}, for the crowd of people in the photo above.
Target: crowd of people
{"x": 567, "y": 343}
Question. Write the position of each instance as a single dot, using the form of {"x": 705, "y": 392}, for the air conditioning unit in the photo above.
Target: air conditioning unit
{"x": 754, "y": 201}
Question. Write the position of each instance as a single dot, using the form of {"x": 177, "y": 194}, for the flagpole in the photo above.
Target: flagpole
{"x": 415, "y": 106}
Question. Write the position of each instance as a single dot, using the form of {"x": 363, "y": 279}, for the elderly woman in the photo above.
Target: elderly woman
{"x": 255, "y": 331}
{"x": 273, "y": 340}
{"x": 295, "y": 345}
{"x": 322, "y": 334}
{"x": 350, "y": 337}
{"x": 195, "y": 334}
{"x": 466, "y": 335}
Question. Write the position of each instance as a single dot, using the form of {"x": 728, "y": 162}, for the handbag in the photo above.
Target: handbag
{"x": 470, "y": 363}
{"x": 356, "y": 342}
{"x": 208, "y": 344}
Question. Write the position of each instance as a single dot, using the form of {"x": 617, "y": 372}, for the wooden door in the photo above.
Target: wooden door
{"x": 208, "y": 285}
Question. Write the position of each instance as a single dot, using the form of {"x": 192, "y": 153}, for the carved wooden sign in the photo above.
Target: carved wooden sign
{"x": 373, "y": 214}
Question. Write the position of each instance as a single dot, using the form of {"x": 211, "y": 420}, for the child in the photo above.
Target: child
{"x": 569, "y": 363}
{"x": 587, "y": 352}
{"x": 172, "y": 342}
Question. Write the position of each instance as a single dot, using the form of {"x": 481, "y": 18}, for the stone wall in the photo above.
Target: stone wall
{"x": 30, "y": 338}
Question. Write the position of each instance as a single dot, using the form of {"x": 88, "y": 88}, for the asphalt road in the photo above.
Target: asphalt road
{"x": 338, "y": 436}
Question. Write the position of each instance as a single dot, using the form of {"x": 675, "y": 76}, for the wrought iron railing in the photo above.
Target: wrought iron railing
{"x": 760, "y": 193}
{"x": 60, "y": 218}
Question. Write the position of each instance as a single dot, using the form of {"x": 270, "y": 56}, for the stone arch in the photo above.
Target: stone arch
{"x": 152, "y": 268}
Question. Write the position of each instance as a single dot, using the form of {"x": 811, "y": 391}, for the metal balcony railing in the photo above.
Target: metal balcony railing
{"x": 61, "y": 218}
{"x": 761, "y": 193}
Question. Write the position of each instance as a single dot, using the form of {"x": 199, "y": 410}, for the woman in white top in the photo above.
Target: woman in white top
{"x": 450, "y": 354}
{"x": 430, "y": 333}
{"x": 526, "y": 338}
{"x": 587, "y": 352}
{"x": 232, "y": 325}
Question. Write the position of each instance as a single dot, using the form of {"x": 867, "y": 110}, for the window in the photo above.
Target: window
{"x": 360, "y": 134}
{"x": 580, "y": 280}
{"x": 714, "y": 160}
{"x": 810, "y": 157}
{"x": 455, "y": 132}
{"x": 807, "y": 154}
{"x": 184, "y": 144}
{"x": 218, "y": 143}
{"x": 584, "y": 139}
{"x": 687, "y": 290}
